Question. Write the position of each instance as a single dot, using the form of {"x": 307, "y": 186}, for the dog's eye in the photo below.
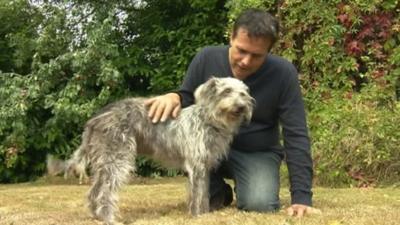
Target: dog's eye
{"x": 227, "y": 91}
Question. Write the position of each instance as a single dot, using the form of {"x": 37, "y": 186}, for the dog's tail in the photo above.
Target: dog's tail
{"x": 79, "y": 161}
{"x": 55, "y": 166}
{"x": 73, "y": 166}
{"x": 76, "y": 166}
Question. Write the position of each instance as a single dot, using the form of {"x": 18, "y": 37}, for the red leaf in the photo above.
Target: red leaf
{"x": 345, "y": 20}
{"x": 384, "y": 34}
{"x": 366, "y": 32}
{"x": 378, "y": 74}
{"x": 355, "y": 48}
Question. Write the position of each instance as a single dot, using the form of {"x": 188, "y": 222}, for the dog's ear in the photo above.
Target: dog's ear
{"x": 205, "y": 89}
{"x": 211, "y": 84}
{"x": 248, "y": 115}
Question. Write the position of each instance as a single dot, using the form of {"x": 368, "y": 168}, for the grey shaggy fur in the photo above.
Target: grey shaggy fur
{"x": 195, "y": 141}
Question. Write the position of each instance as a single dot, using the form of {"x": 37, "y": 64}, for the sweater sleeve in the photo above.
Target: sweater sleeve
{"x": 193, "y": 78}
{"x": 296, "y": 141}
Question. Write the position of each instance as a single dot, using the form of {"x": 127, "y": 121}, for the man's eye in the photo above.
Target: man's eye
{"x": 241, "y": 51}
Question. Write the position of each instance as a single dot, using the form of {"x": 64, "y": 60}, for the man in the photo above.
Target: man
{"x": 256, "y": 153}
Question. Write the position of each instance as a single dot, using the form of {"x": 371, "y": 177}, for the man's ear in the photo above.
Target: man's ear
{"x": 230, "y": 39}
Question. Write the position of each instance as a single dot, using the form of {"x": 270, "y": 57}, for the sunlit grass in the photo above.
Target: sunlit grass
{"x": 162, "y": 201}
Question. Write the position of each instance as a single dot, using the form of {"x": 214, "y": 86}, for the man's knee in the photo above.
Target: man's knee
{"x": 258, "y": 205}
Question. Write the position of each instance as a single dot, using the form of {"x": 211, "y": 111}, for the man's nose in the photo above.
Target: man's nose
{"x": 246, "y": 60}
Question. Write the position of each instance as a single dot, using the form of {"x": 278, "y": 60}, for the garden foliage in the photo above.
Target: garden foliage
{"x": 60, "y": 61}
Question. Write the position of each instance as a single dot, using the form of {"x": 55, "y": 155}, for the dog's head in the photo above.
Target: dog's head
{"x": 228, "y": 98}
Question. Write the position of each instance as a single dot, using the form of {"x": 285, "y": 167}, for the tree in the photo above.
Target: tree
{"x": 18, "y": 29}
{"x": 84, "y": 55}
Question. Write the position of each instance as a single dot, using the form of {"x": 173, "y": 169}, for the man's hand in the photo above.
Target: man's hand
{"x": 299, "y": 210}
{"x": 163, "y": 107}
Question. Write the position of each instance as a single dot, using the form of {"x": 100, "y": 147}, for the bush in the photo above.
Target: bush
{"x": 355, "y": 139}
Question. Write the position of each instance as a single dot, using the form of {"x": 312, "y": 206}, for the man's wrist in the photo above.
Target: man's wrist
{"x": 302, "y": 197}
{"x": 177, "y": 95}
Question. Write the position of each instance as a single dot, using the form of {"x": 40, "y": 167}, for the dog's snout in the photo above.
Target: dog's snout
{"x": 240, "y": 109}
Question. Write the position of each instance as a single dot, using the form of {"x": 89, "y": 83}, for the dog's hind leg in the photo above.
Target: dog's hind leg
{"x": 111, "y": 170}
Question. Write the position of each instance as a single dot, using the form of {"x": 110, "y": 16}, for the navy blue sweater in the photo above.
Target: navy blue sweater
{"x": 279, "y": 103}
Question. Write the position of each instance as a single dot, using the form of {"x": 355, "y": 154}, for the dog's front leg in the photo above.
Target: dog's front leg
{"x": 204, "y": 195}
{"x": 198, "y": 190}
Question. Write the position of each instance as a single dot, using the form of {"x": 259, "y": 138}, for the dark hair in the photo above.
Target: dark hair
{"x": 258, "y": 23}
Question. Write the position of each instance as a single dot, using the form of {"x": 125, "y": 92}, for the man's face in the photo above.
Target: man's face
{"x": 247, "y": 54}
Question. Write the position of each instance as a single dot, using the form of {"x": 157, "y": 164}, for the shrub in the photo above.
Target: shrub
{"x": 355, "y": 139}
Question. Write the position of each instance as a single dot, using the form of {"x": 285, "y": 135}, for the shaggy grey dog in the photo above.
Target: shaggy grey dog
{"x": 195, "y": 141}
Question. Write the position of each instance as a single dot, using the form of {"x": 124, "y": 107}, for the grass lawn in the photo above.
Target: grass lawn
{"x": 162, "y": 201}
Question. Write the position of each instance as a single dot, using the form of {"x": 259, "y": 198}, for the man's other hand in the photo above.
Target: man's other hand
{"x": 299, "y": 210}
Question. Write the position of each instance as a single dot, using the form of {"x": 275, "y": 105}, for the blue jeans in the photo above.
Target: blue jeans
{"x": 256, "y": 178}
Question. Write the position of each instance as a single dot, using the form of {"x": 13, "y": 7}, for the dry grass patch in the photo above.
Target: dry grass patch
{"x": 162, "y": 201}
